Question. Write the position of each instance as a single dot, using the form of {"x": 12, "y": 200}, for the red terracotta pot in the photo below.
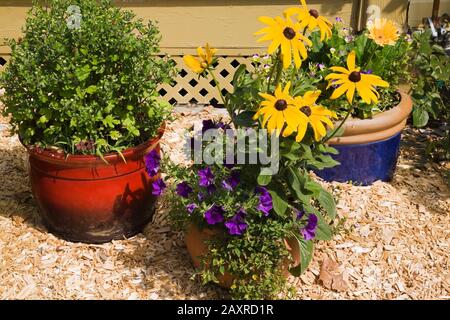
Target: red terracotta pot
{"x": 196, "y": 244}
{"x": 83, "y": 199}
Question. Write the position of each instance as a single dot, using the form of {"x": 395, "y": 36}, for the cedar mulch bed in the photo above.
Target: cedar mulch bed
{"x": 393, "y": 240}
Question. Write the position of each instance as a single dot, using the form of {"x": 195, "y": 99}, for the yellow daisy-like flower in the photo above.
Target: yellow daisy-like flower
{"x": 351, "y": 79}
{"x": 311, "y": 19}
{"x": 317, "y": 115}
{"x": 280, "y": 109}
{"x": 205, "y": 59}
{"x": 285, "y": 33}
{"x": 383, "y": 31}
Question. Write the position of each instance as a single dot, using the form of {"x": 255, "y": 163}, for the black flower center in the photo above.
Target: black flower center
{"x": 281, "y": 104}
{"x": 314, "y": 13}
{"x": 289, "y": 33}
{"x": 355, "y": 76}
{"x": 306, "y": 110}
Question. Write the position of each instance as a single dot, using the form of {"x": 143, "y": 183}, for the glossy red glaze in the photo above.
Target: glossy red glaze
{"x": 82, "y": 198}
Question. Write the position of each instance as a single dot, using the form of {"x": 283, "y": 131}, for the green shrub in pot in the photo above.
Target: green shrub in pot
{"x": 84, "y": 78}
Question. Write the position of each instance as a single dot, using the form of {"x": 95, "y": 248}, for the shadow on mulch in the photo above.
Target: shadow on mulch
{"x": 17, "y": 203}
{"x": 16, "y": 199}
{"x": 172, "y": 265}
{"x": 424, "y": 180}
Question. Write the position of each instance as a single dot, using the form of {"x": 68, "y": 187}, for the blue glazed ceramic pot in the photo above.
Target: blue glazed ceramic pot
{"x": 368, "y": 149}
{"x": 363, "y": 164}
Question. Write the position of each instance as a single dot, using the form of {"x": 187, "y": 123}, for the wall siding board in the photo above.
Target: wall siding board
{"x": 226, "y": 24}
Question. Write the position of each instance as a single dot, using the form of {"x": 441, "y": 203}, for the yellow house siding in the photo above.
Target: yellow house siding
{"x": 226, "y": 24}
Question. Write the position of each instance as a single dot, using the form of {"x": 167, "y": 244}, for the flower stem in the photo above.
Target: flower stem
{"x": 371, "y": 44}
{"x": 339, "y": 126}
{"x": 279, "y": 71}
{"x": 272, "y": 70}
{"x": 218, "y": 87}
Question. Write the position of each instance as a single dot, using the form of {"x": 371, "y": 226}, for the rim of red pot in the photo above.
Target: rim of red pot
{"x": 112, "y": 157}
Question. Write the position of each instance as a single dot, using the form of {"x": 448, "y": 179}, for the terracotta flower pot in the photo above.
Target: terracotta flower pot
{"x": 196, "y": 244}
{"x": 83, "y": 199}
{"x": 369, "y": 148}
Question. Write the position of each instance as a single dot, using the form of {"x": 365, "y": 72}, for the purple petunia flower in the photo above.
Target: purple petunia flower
{"x": 300, "y": 213}
{"x": 309, "y": 232}
{"x": 210, "y": 124}
{"x": 152, "y": 160}
{"x": 237, "y": 225}
{"x": 338, "y": 19}
{"x": 158, "y": 187}
{"x": 201, "y": 196}
{"x": 265, "y": 201}
{"x": 232, "y": 181}
{"x": 191, "y": 207}
{"x": 223, "y": 126}
{"x": 214, "y": 214}
{"x": 206, "y": 177}
{"x": 370, "y": 71}
{"x": 183, "y": 189}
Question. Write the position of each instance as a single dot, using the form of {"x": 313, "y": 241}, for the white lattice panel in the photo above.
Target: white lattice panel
{"x": 189, "y": 88}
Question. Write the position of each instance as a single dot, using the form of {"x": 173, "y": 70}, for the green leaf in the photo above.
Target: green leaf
{"x": 115, "y": 135}
{"x": 360, "y": 47}
{"x": 110, "y": 121}
{"x": 295, "y": 185}
{"x": 83, "y": 72}
{"x": 313, "y": 187}
{"x": 264, "y": 180}
{"x": 327, "y": 202}
{"x": 42, "y": 120}
{"x": 240, "y": 70}
{"x": 91, "y": 89}
{"x": 323, "y": 161}
{"x": 420, "y": 117}
{"x": 244, "y": 119}
{"x": 315, "y": 39}
{"x": 306, "y": 252}
{"x": 279, "y": 204}
{"x": 327, "y": 149}
{"x": 323, "y": 231}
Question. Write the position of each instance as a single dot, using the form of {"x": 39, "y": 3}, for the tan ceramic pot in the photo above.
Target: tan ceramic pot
{"x": 382, "y": 126}
{"x": 368, "y": 149}
{"x": 196, "y": 244}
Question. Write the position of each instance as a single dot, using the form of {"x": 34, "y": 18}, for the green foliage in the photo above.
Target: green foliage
{"x": 96, "y": 83}
{"x": 430, "y": 90}
{"x": 390, "y": 62}
{"x": 431, "y": 72}
{"x": 256, "y": 257}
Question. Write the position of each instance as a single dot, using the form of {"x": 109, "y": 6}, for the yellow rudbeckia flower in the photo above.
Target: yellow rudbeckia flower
{"x": 280, "y": 109}
{"x": 311, "y": 19}
{"x": 317, "y": 115}
{"x": 352, "y": 79}
{"x": 204, "y": 60}
{"x": 285, "y": 33}
{"x": 383, "y": 31}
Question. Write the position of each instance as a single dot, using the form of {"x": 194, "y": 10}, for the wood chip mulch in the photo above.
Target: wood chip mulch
{"x": 393, "y": 240}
